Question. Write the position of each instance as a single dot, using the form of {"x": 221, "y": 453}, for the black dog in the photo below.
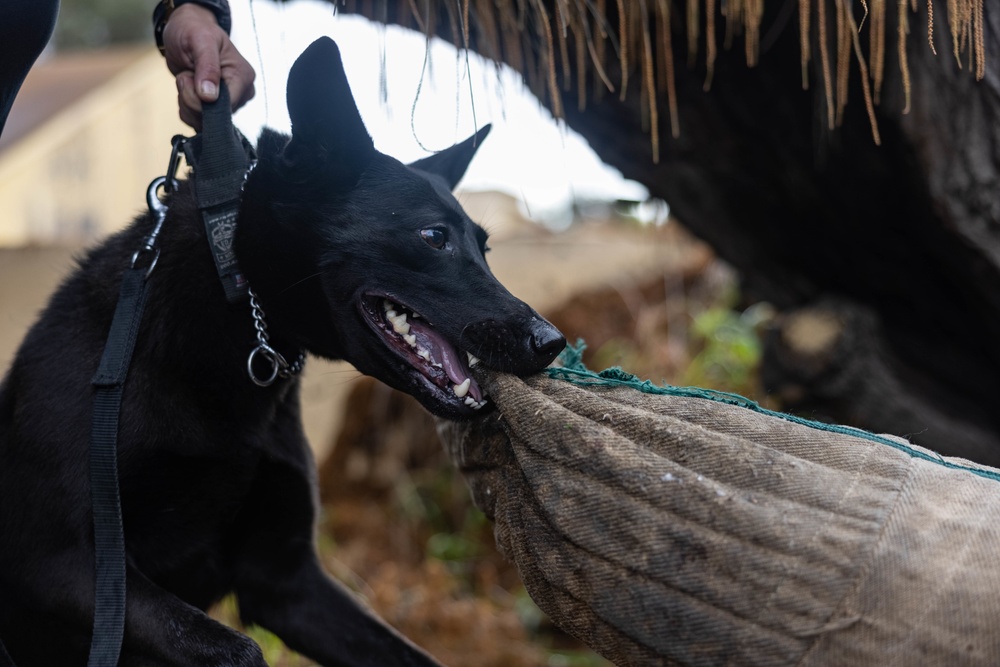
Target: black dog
{"x": 353, "y": 255}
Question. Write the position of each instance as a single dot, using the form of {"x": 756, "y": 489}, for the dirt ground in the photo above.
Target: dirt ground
{"x": 540, "y": 267}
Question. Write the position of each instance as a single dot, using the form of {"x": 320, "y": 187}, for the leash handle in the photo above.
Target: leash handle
{"x": 220, "y": 156}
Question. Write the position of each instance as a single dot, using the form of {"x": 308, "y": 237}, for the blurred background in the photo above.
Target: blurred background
{"x": 586, "y": 247}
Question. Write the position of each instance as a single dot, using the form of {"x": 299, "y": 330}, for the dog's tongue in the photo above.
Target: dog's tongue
{"x": 444, "y": 353}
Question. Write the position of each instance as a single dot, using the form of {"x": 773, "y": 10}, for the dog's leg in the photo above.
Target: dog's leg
{"x": 282, "y": 587}
{"x": 161, "y": 629}
{"x": 319, "y": 618}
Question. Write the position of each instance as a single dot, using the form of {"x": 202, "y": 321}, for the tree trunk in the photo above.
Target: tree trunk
{"x": 904, "y": 236}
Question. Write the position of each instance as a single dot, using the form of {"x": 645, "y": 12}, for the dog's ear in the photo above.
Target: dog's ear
{"x": 326, "y": 124}
{"x": 451, "y": 163}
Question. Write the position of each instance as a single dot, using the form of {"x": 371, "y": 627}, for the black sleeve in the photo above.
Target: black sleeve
{"x": 25, "y": 28}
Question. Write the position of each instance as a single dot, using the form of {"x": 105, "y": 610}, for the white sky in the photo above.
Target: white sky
{"x": 527, "y": 154}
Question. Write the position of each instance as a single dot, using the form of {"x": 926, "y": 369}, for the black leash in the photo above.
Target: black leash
{"x": 109, "y": 383}
{"x": 221, "y": 156}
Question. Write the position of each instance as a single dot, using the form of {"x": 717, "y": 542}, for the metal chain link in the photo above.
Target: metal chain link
{"x": 279, "y": 366}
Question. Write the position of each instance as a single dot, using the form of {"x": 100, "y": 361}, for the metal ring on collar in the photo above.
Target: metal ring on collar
{"x": 273, "y": 357}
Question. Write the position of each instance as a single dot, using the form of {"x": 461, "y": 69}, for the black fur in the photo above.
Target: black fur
{"x": 217, "y": 481}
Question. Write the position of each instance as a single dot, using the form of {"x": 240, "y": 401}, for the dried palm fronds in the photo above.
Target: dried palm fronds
{"x": 547, "y": 40}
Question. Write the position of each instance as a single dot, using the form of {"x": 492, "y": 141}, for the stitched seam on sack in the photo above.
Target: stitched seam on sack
{"x": 868, "y": 562}
{"x": 739, "y": 439}
{"x": 812, "y": 540}
{"x": 943, "y": 584}
{"x": 587, "y": 378}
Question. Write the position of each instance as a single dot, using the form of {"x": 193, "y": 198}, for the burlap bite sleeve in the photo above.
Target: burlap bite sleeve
{"x": 668, "y": 529}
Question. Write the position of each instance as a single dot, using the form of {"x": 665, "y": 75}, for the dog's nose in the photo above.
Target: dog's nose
{"x": 546, "y": 341}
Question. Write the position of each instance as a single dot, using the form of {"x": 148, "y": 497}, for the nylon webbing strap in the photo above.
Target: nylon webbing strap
{"x": 219, "y": 156}
{"x": 109, "y": 539}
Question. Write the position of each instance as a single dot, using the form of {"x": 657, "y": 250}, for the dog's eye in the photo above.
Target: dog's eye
{"x": 435, "y": 238}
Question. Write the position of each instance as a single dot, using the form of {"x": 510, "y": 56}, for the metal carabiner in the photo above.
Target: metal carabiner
{"x": 159, "y": 212}
{"x": 176, "y": 143}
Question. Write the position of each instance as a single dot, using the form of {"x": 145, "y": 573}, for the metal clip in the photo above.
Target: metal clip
{"x": 159, "y": 212}
{"x": 177, "y": 143}
{"x": 156, "y": 206}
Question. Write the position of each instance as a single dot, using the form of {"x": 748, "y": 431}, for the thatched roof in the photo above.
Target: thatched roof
{"x": 555, "y": 42}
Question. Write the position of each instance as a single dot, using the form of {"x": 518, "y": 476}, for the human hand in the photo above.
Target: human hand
{"x": 199, "y": 54}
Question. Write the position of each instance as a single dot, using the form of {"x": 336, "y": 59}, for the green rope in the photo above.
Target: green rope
{"x": 573, "y": 370}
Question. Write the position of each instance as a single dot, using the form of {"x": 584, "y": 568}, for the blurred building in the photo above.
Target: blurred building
{"x": 86, "y": 135}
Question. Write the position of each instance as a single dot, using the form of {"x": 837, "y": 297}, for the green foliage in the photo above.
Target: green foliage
{"x": 729, "y": 352}
{"x": 451, "y": 547}
{"x": 627, "y": 353}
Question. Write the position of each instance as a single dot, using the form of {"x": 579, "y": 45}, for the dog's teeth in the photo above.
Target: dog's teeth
{"x": 462, "y": 389}
{"x": 472, "y": 359}
{"x": 400, "y": 325}
{"x": 471, "y": 402}
{"x": 437, "y": 365}
{"x": 423, "y": 354}
{"x": 478, "y": 405}
{"x": 410, "y": 339}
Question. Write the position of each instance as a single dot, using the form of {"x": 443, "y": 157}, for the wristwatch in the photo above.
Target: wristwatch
{"x": 165, "y": 8}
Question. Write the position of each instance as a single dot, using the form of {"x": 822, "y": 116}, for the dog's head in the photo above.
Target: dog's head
{"x": 358, "y": 256}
